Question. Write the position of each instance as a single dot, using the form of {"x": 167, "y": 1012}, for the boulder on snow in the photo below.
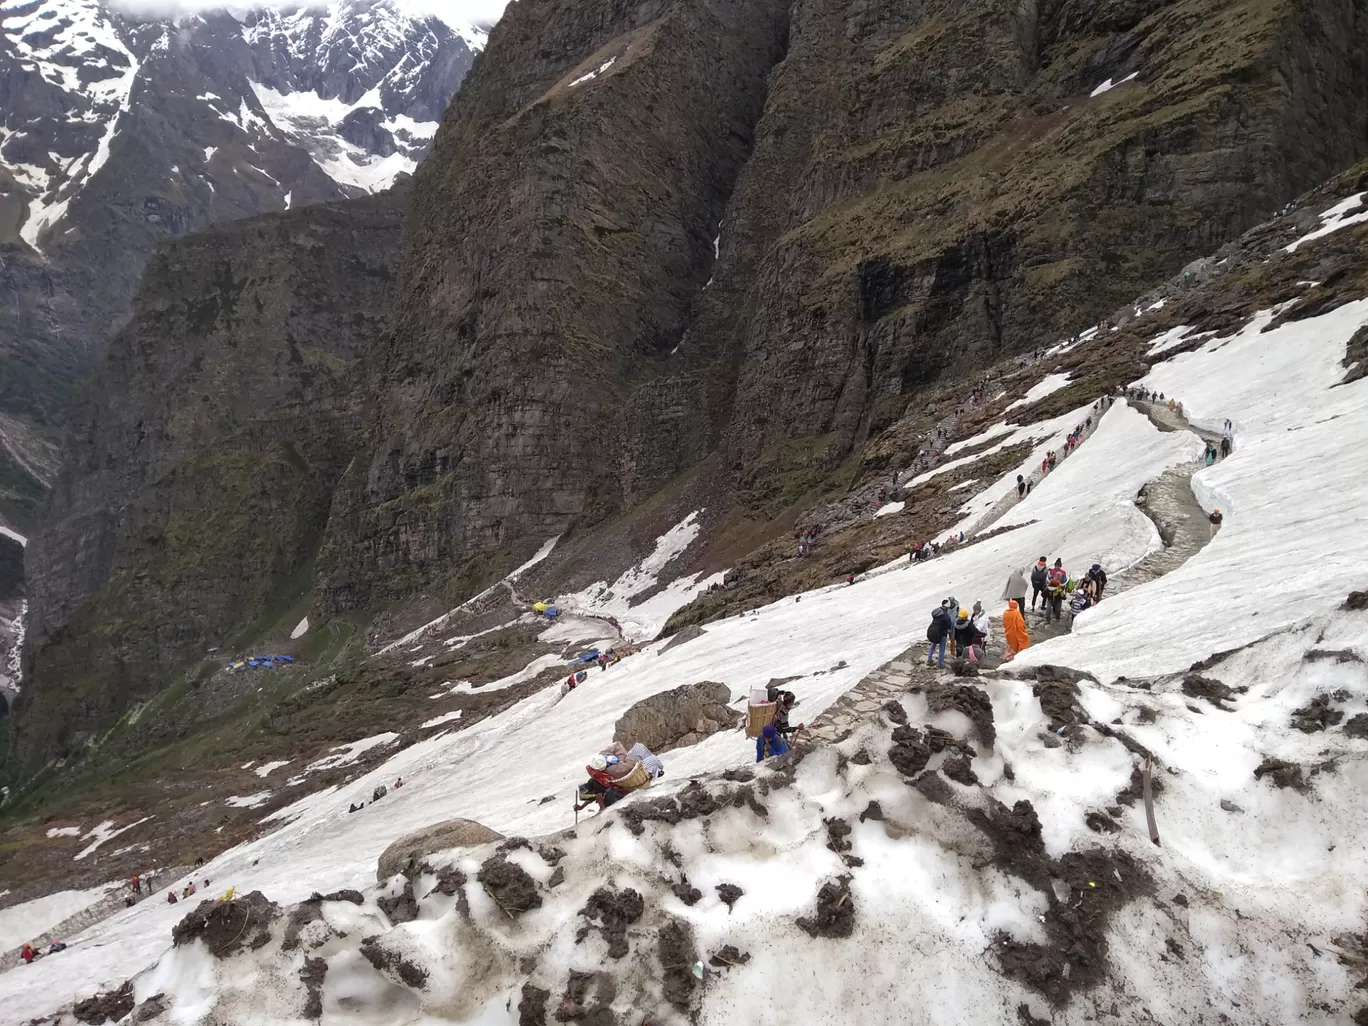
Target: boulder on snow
{"x": 413, "y": 848}
{"x": 682, "y": 716}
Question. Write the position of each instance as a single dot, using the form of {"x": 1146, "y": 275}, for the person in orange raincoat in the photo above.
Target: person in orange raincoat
{"x": 1014, "y": 626}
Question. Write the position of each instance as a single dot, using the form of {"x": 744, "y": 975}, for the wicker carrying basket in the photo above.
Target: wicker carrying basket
{"x": 758, "y": 717}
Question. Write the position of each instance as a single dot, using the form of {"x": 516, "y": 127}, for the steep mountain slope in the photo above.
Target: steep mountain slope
{"x": 235, "y": 386}
{"x": 560, "y": 231}
{"x": 699, "y": 254}
{"x": 116, "y": 132}
{"x": 930, "y": 185}
{"x": 978, "y": 846}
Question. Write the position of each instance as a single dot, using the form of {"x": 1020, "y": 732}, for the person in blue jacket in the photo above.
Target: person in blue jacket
{"x": 769, "y": 743}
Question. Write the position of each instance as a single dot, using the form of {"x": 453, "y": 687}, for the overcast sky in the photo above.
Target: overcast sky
{"x": 455, "y": 12}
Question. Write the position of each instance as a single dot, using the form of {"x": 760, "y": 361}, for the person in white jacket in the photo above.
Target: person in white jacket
{"x": 978, "y": 619}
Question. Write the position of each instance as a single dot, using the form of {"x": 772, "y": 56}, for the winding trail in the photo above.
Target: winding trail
{"x": 1169, "y": 502}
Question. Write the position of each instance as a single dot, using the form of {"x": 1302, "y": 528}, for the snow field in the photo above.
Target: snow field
{"x": 25, "y": 922}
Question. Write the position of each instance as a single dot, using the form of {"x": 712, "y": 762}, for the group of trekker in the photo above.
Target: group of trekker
{"x": 965, "y": 633}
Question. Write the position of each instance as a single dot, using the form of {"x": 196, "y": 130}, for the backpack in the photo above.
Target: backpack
{"x": 1038, "y": 576}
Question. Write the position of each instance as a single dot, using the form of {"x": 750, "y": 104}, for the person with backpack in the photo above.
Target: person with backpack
{"x": 769, "y": 744}
{"x": 964, "y": 635}
{"x": 1021, "y": 486}
{"x": 1056, "y": 583}
{"x": 1039, "y": 577}
{"x": 1016, "y": 587}
{"x": 938, "y": 634}
{"x": 1097, "y": 577}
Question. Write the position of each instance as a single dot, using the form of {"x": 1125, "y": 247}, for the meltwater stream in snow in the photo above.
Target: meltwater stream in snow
{"x": 1292, "y": 546}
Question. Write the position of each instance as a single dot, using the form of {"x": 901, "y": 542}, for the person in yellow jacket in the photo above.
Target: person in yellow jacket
{"x": 1014, "y": 627}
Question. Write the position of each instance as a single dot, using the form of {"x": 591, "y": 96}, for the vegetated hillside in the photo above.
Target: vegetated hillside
{"x": 203, "y": 456}
{"x": 744, "y": 243}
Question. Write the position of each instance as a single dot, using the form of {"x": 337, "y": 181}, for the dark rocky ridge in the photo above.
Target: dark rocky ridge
{"x": 203, "y": 455}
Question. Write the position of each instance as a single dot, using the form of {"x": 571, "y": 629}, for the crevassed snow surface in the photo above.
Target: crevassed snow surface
{"x": 1291, "y": 864}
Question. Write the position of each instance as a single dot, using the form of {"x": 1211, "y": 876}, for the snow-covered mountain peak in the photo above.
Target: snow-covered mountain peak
{"x": 357, "y": 85}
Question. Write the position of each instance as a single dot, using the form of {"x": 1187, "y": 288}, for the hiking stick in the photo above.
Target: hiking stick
{"x": 1149, "y": 803}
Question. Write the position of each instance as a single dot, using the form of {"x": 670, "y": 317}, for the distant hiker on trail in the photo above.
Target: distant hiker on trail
{"x": 137, "y": 884}
{"x": 55, "y": 947}
{"x": 1021, "y": 486}
{"x": 1016, "y": 587}
{"x": 1226, "y": 445}
{"x": 399, "y": 783}
{"x": 1214, "y": 518}
{"x": 171, "y": 895}
{"x": 1014, "y": 627}
{"x": 380, "y": 791}
{"x": 1056, "y": 583}
{"x": 1040, "y": 574}
{"x": 1097, "y": 577}
{"x": 938, "y": 633}
{"x": 1229, "y": 426}
{"x": 769, "y": 744}
{"x": 1210, "y": 454}
{"x": 27, "y": 953}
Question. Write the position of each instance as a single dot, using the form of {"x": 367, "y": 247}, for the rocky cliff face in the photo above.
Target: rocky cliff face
{"x": 937, "y": 183}
{"x": 203, "y": 455}
{"x": 560, "y": 233}
{"x": 925, "y": 185}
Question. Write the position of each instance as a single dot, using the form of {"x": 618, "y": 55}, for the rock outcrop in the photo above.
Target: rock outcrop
{"x": 411, "y": 849}
{"x": 681, "y": 716}
{"x": 202, "y": 457}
